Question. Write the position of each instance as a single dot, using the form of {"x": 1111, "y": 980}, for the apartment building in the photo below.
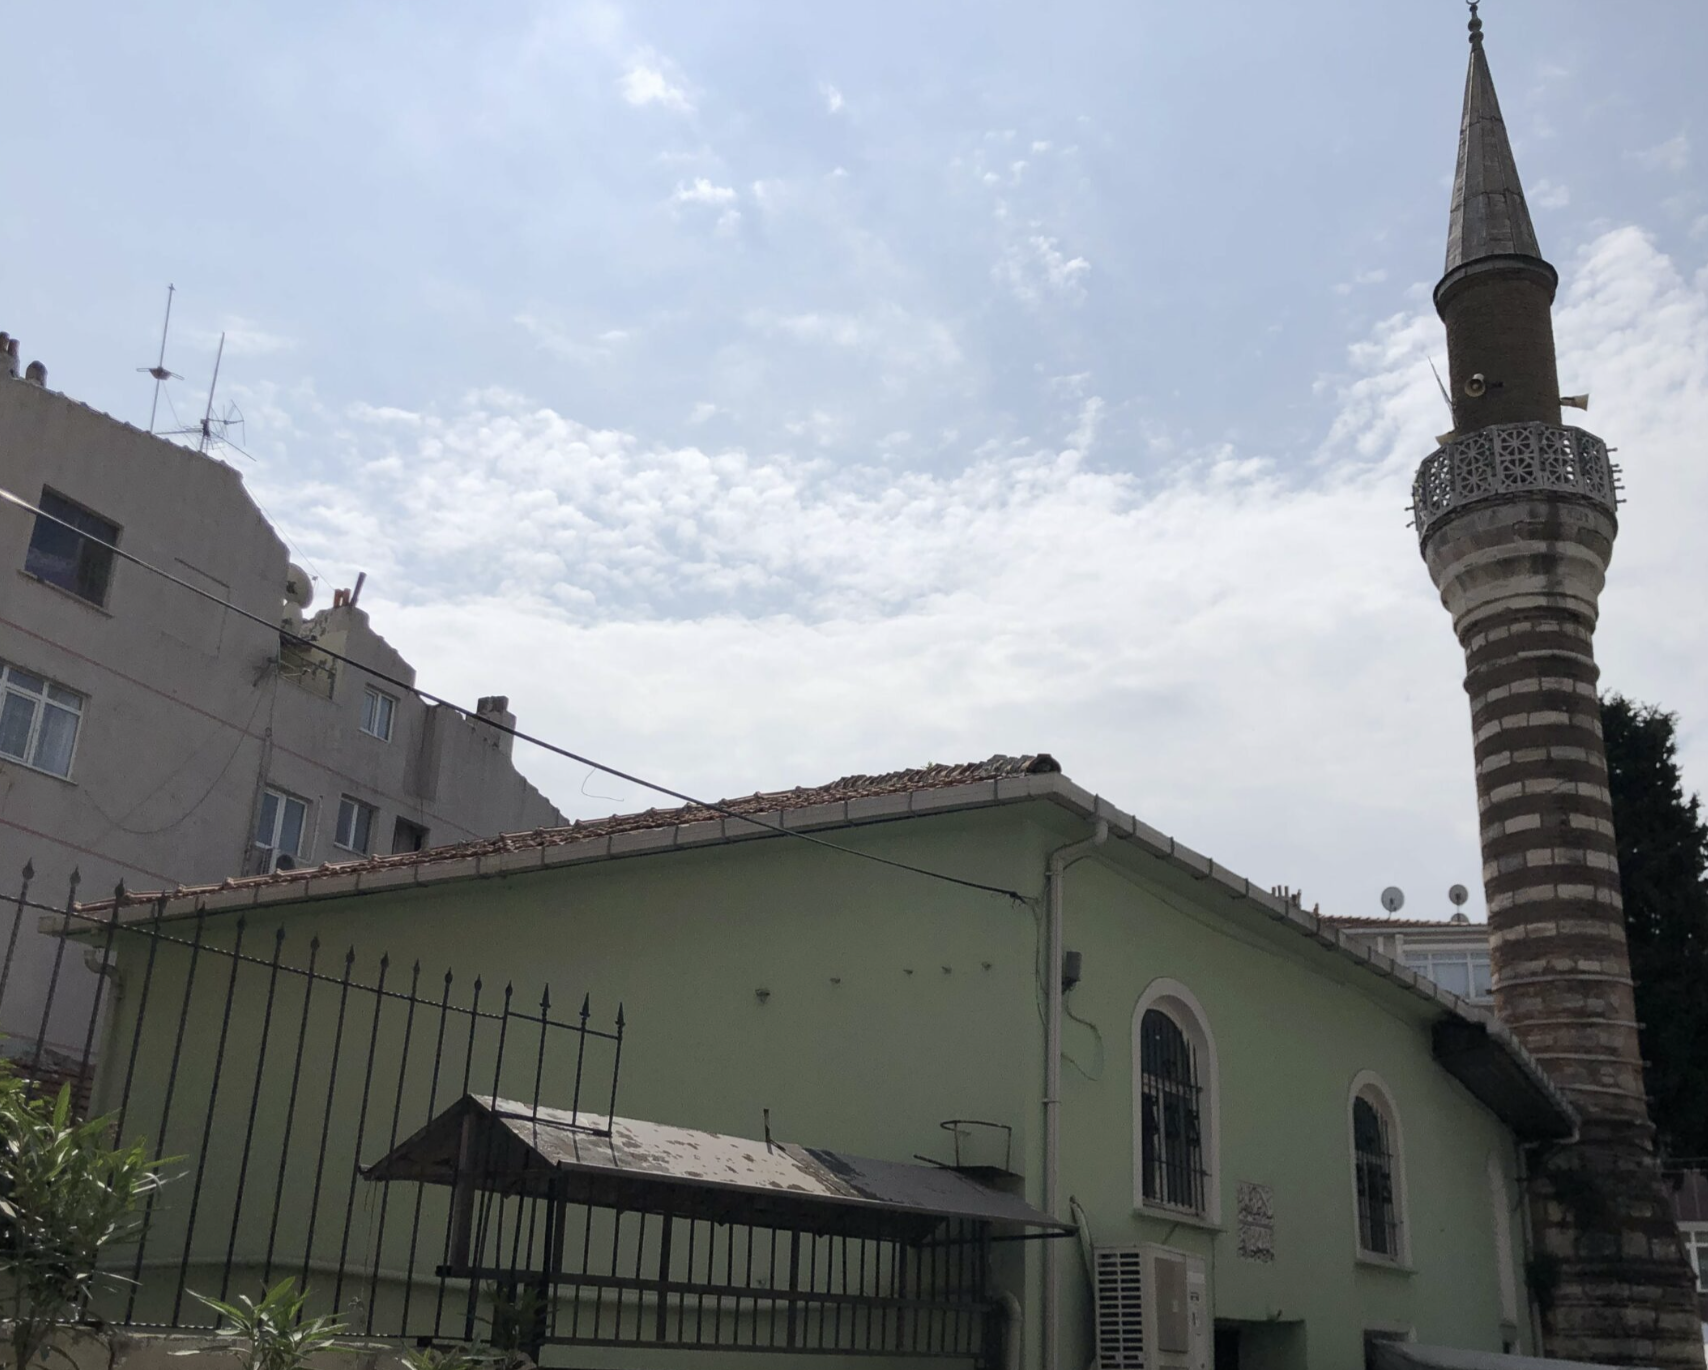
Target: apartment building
{"x": 150, "y": 735}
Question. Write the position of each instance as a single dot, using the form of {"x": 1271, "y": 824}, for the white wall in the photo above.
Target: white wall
{"x": 186, "y": 714}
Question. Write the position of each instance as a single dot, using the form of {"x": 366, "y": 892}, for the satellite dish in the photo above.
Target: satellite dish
{"x": 1458, "y": 895}
{"x": 1393, "y": 899}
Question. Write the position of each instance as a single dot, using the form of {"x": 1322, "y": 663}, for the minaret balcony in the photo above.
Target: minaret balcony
{"x": 1512, "y": 459}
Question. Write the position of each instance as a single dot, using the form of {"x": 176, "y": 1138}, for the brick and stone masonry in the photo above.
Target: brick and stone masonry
{"x": 1517, "y": 515}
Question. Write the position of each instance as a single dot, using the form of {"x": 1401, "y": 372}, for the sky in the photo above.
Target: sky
{"x": 760, "y": 394}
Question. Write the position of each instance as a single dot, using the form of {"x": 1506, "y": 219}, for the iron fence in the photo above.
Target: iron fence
{"x": 276, "y": 1071}
{"x": 269, "y": 1068}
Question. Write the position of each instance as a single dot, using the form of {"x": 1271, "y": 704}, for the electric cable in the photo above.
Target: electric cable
{"x": 505, "y": 728}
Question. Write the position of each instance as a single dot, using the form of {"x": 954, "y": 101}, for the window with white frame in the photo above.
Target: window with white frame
{"x": 377, "y": 710}
{"x": 1696, "y": 1247}
{"x": 1378, "y": 1181}
{"x": 1174, "y": 1104}
{"x": 1463, "y": 971}
{"x": 38, "y": 720}
{"x": 281, "y": 830}
{"x": 355, "y": 830}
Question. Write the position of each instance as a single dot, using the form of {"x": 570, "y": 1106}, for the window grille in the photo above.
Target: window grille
{"x": 1378, "y": 1215}
{"x": 1120, "y": 1309}
{"x": 1172, "y": 1142}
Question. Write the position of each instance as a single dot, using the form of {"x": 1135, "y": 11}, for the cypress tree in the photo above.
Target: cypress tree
{"x": 1663, "y": 867}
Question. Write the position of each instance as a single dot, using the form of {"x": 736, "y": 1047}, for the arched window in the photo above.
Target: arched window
{"x": 1172, "y": 1131}
{"x": 1376, "y": 1171}
{"x": 1174, "y": 1104}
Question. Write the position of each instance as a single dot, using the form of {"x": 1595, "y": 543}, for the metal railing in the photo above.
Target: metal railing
{"x": 1512, "y": 459}
{"x": 271, "y": 1068}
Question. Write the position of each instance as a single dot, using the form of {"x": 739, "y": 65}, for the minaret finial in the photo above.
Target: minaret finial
{"x": 1476, "y": 24}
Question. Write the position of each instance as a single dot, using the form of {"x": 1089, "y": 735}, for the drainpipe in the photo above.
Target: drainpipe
{"x": 1059, "y": 861}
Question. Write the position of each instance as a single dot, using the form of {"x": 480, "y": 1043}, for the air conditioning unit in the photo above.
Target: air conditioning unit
{"x": 1153, "y": 1309}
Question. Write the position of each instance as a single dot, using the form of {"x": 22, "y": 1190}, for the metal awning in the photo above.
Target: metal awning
{"x": 505, "y": 1147}
{"x": 1467, "y": 1051}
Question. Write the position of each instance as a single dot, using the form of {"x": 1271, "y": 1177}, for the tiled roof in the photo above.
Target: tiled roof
{"x": 852, "y": 801}
{"x": 932, "y": 777}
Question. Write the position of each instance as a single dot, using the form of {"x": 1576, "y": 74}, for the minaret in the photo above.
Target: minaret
{"x": 1516, "y": 515}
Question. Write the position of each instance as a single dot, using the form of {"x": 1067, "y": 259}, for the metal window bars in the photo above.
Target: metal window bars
{"x": 1172, "y": 1137}
{"x": 1378, "y": 1215}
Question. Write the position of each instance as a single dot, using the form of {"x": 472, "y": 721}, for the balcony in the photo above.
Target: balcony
{"x": 1508, "y": 459}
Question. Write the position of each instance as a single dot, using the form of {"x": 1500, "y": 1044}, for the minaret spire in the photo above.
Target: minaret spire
{"x": 1490, "y": 218}
{"x": 1516, "y": 518}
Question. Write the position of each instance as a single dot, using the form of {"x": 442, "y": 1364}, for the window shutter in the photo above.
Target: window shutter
{"x": 1120, "y": 1308}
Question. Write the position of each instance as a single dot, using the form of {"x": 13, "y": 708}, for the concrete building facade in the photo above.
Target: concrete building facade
{"x": 151, "y": 736}
{"x": 1516, "y": 516}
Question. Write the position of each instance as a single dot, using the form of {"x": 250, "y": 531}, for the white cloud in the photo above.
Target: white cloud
{"x": 549, "y": 337}
{"x": 1363, "y": 278}
{"x": 887, "y": 334}
{"x": 703, "y": 192}
{"x": 1671, "y": 156}
{"x": 651, "y": 80}
{"x": 243, "y": 338}
{"x": 1248, "y": 655}
{"x": 833, "y": 101}
{"x": 1546, "y": 195}
{"x": 1084, "y": 434}
{"x": 1037, "y": 267}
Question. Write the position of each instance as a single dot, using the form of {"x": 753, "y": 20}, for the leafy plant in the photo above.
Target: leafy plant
{"x": 273, "y": 1334}
{"x": 66, "y": 1195}
{"x": 474, "y": 1357}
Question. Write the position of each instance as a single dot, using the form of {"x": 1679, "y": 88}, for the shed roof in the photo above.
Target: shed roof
{"x": 660, "y": 1168}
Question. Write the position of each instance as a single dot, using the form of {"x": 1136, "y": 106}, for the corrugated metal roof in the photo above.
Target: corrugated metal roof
{"x": 661, "y": 1168}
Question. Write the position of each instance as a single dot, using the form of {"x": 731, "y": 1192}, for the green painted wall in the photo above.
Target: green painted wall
{"x": 862, "y": 1006}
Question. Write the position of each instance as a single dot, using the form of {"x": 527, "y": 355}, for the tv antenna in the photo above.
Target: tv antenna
{"x": 211, "y": 429}
{"x": 158, "y": 370}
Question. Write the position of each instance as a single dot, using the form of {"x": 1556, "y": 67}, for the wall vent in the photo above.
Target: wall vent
{"x": 1120, "y": 1308}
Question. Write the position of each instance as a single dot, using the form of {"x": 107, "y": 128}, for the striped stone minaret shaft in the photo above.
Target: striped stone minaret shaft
{"x": 1516, "y": 515}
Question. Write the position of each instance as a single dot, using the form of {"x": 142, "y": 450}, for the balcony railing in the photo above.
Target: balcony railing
{"x": 1512, "y": 459}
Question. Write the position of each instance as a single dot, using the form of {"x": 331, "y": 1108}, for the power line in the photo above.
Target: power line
{"x": 493, "y": 723}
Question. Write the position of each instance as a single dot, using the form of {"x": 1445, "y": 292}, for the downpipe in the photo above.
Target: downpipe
{"x": 1055, "y": 871}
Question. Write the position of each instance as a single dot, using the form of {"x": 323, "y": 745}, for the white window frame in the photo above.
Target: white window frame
{"x": 356, "y": 806}
{"x": 1468, "y": 956}
{"x": 1370, "y": 1087}
{"x": 270, "y": 861}
{"x": 1695, "y": 1237}
{"x": 380, "y": 710}
{"x": 1180, "y": 1004}
{"x": 42, "y": 700}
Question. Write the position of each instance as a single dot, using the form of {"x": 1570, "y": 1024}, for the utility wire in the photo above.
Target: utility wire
{"x": 494, "y": 724}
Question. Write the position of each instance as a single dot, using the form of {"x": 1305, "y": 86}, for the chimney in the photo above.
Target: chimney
{"x": 35, "y": 373}
{"x": 497, "y": 709}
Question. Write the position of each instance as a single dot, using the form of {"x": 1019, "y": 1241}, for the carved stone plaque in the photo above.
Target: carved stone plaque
{"x": 1256, "y": 1204}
